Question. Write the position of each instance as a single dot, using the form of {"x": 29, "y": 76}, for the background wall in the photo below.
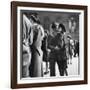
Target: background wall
{"x": 5, "y": 44}
{"x": 46, "y": 18}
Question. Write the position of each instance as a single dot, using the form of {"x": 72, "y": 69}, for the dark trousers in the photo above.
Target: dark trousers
{"x": 52, "y": 67}
{"x": 62, "y": 65}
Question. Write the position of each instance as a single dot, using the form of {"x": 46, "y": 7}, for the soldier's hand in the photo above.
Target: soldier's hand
{"x": 56, "y": 48}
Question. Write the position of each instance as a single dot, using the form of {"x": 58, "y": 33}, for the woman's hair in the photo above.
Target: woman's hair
{"x": 63, "y": 27}
{"x": 33, "y": 18}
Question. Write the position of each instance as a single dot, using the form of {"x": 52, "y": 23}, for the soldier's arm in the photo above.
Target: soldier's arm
{"x": 52, "y": 45}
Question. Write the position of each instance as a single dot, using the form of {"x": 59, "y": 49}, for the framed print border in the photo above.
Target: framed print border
{"x": 14, "y": 44}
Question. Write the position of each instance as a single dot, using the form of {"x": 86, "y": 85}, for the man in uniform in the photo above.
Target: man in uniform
{"x": 58, "y": 52}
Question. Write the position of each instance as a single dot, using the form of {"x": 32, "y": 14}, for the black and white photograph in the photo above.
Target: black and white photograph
{"x": 50, "y": 44}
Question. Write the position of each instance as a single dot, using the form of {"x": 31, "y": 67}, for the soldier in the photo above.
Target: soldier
{"x": 58, "y": 53}
{"x": 61, "y": 54}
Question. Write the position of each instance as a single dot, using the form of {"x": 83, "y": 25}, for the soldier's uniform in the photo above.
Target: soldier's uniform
{"x": 58, "y": 55}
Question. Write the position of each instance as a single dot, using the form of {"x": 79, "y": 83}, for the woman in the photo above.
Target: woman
{"x": 37, "y": 54}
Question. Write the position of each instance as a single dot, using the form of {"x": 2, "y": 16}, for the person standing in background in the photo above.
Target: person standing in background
{"x": 70, "y": 48}
{"x": 45, "y": 51}
{"x": 72, "y": 25}
{"x": 58, "y": 51}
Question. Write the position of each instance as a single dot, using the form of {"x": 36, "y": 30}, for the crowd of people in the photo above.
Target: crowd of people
{"x": 49, "y": 46}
